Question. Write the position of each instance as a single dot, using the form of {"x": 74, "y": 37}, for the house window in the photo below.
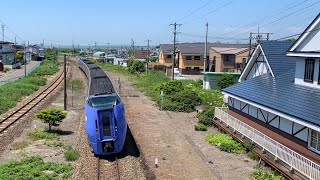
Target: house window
{"x": 196, "y": 68}
{"x": 315, "y": 140}
{"x": 188, "y": 68}
{"x": 188, "y": 58}
{"x": 0, "y": 46}
{"x": 214, "y": 59}
{"x": 169, "y": 56}
{"x": 309, "y": 70}
{"x": 196, "y": 57}
{"x": 226, "y": 58}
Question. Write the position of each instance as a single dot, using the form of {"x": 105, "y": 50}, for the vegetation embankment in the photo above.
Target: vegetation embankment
{"x": 13, "y": 92}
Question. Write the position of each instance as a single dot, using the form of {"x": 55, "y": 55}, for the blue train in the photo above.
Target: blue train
{"x": 105, "y": 121}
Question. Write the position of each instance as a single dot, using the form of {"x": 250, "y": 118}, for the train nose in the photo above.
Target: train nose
{"x": 108, "y": 146}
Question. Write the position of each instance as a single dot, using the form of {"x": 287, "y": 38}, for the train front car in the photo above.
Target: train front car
{"x": 106, "y": 125}
{"x": 105, "y": 121}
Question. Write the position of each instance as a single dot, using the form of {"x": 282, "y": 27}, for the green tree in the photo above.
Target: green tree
{"x": 136, "y": 67}
{"x": 19, "y": 56}
{"x": 225, "y": 80}
{"x": 291, "y": 39}
{"x": 51, "y": 116}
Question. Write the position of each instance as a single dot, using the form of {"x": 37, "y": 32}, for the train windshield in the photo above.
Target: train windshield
{"x": 103, "y": 101}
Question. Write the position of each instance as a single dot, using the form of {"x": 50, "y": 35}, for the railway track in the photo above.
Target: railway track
{"x": 17, "y": 114}
{"x": 115, "y": 166}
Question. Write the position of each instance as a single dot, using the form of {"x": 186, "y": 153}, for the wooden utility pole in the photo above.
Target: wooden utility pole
{"x": 148, "y": 55}
{"x": 65, "y": 82}
{"x": 174, "y": 47}
{"x": 205, "y": 60}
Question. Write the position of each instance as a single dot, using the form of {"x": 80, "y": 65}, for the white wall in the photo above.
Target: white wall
{"x": 277, "y": 122}
{"x": 259, "y": 69}
{"x": 299, "y": 74}
{"x": 312, "y": 41}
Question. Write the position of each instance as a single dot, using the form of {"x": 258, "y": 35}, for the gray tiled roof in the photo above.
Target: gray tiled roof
{"x": 196, "y": 48}
{"x": 275, "y": 52}
{"x": 282, "y": 95}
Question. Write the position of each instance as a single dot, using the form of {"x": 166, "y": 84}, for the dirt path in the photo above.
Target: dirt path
{"x": 170, "y": 137}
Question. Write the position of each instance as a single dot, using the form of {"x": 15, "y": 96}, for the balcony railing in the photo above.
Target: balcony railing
{"x": 296, "y": 161}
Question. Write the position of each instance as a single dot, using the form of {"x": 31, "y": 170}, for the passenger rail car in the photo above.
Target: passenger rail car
{"x": 105, "y": 121}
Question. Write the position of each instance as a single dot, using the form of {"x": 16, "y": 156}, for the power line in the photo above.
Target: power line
{"x": 218, "y": 8}
{"x": 302, "y": 9}
{"x": 11, "y": 30}
{"x": 286, "y": 8}
{"x": 195, "y": 10}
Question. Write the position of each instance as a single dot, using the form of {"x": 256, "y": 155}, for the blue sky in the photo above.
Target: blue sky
{"x": 117, "y": 21}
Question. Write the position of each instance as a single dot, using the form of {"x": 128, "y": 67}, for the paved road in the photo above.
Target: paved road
{"x": 15, "y": 73}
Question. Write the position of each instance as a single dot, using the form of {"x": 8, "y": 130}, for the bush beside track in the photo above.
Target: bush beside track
{"x": 13, "y": 92}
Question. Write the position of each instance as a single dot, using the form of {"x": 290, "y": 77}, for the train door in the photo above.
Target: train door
{"x": 106, "y": 125}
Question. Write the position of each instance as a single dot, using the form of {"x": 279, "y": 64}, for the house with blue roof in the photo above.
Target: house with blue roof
{"x": 276, "y": 103}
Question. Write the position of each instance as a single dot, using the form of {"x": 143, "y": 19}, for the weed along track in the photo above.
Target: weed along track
{"x": 110, "y": 165}
{"x": 17, "y": 114}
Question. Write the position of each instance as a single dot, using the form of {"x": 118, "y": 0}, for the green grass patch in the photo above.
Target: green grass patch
{"x": 261, "y": 173}
{"x": 252, "y": 155}
{"x": 34, "y": 168}
{"x": 75, "y": 84}
{"x": 54, "y": 143}
{"x": 71, "y": 154}
{"x": 19, "y": 145}
{"x": 200, "y": 127}
{"x": 13, "y": 92}
{"x": 42, "y": 134}
{"x": 225, "y": 143}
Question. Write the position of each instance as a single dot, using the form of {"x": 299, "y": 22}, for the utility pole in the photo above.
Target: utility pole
{"x": 89, "y": 50}
{"x": 65, "y": 82}
{"x": 2, "y": 26}
{"x": 205, "y": 61}
{"x": 43, "y": 44}
{"x": 25, "y": 60}
{"x": 174, "y": 47}
{"x": 95, "y": 45}
{"x": 148, "y": 55}
{"x": 132, "y": 44}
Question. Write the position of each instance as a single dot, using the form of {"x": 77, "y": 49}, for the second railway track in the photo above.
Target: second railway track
{"x": 17, "y": 114}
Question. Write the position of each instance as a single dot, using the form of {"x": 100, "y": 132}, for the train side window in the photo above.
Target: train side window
{"x": 96, "y": 122}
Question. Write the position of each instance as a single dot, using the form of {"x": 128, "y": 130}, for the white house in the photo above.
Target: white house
{"x": 7, "y": 52}
{"x": 276, "y": 102}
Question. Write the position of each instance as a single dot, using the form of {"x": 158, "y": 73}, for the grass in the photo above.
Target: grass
{"x": 34, "y": 168}
{"x": 19, "y": 145}
{"x": 261, "y": 173}
{"x": 252, "y": 155}
{"x": 71, "y": 154}
{"x": 13, "y": 92}
{"x": 225, "y": 143}
{"x": 54, "y": 143}
{"x": 42, "y": 134}
{"x": 76, "y": 84}
{"x": 200, "y": 127}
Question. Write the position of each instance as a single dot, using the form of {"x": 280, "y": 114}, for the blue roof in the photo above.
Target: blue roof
{"x": 275, "y": 52}
{"x": 98, "y": 53}
{"x": 280, "y": 93}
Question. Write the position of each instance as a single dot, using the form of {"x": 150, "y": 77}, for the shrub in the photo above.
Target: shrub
{"x": 225, "y": 80}
{"x": 224, "y": 142}
{"x": 252, "y": 155}
{"x": 136, "y": 67}
{"x": 249, "y": 145}
{"x": 186, "y": 100}
{"x": 171, "y": 87}
{"x": 34, "y": 168}
{"x": 6, "y": 69}
{"x": 262, "y": 173}
{"x": 71, "y": 154}
{"x": 42, "y": 134}
{"x": 205, "y": 117}
{"x": 51, "y": 116}
{"x": 200, "y": 127}
{"x": 76, "y": 84}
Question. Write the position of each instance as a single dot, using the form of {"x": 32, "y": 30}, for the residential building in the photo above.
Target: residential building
{"x": 32, "y": 52}
{"x": 7, "y": 53}
{"x": 225, "y": 58}
{"x": 141, "y": 54}
{"x": 190, "y": 56}
{"x": 276, "y": 103}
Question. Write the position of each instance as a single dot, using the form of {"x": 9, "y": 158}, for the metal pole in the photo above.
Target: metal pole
{"x": 2, "y": 26}
{"x": 148, "y": 54}
{"x": 65, "y": 81}
{"x": 25, "y": 60}
{"x": 205, "y": 64}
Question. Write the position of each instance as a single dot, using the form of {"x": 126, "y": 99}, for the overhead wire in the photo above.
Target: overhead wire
{"x": 195, "y": 11}
{"x": 11, "y": 30}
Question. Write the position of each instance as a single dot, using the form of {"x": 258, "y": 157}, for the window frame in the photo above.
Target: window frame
{"x": 224, "y": 58}
{"x": 194, "y": 58}
{"x": 167, "y": 56}
{"x": 188, "y": 58}
{"x": 305, "y": 70}
{"x": 314, "y": 149}
{"x": 196, "y": 68}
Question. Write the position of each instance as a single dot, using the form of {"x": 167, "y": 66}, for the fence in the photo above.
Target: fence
{"x": 16, "y": 78}
{"x": 291, "y": 158}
